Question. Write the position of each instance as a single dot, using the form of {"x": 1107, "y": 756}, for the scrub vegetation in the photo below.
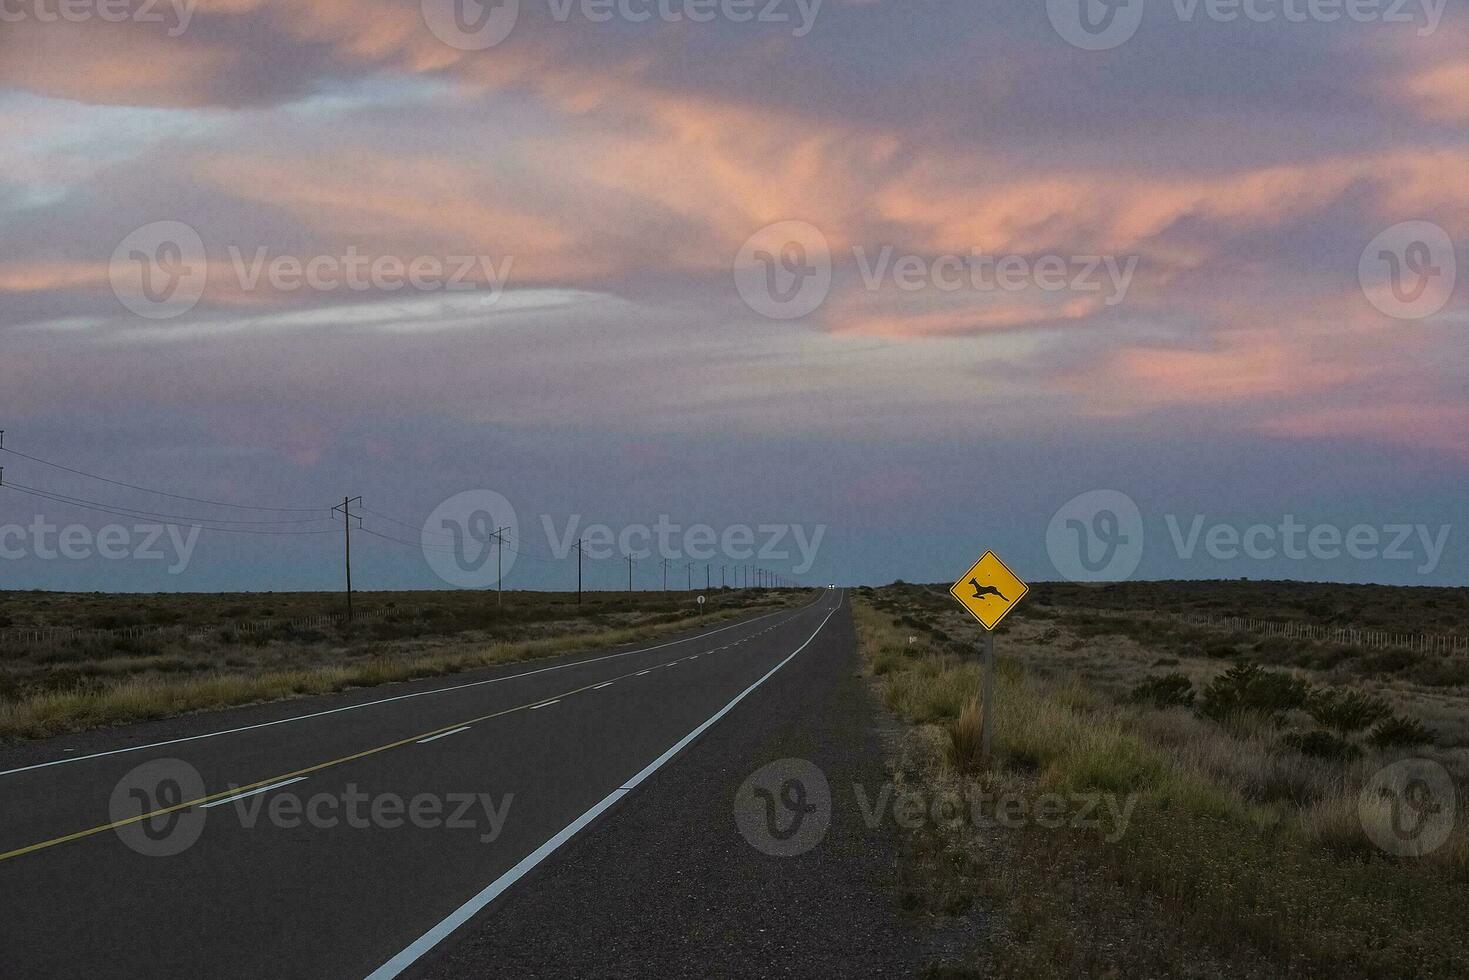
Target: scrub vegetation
{"x": 136, "y": 658}
{"x": 1245, "y": 852}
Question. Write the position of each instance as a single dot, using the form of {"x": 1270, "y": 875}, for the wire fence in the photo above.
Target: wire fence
{"x": 21, "y": 637}
{"x": 1444, "y": 644}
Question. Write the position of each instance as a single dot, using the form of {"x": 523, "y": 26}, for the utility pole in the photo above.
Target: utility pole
{"x": 706, "y": 576}
{"x": 500, "y": 566}
{"x": 665, "y": 575}
{"x": 629, "y": 573}
{"x": 987, "y": 706}
{"x": 723, "y": 583}
{"x": 346, "y": 510}
{"x": 578, "y": 571}
{"x": 690, "y": 569}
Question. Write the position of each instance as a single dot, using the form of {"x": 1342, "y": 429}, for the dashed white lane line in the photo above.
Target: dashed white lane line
{"x": 416, "y": 950}
{"x": 435, "y": 738}
{"x": 391, "y": 700}
{"x": 543, "y": 704}
{"x": 600, "y": 686}
{"x": 253, "y": 792}
{"x": 640, "y": 673}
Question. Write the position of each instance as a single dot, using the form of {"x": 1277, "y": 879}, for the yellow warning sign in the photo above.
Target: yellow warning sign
{"x": 989, "y": 590}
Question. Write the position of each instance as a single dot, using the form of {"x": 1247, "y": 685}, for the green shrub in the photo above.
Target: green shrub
{"x": 1247, "y": 687}
{"x": 1395, "y": 731}
{"x": 1346, "y": 712}
{"x": 1168, "y": 691}
{"x": 1322, "y": 745}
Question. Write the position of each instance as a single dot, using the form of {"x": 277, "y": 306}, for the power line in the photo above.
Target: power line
{"x": 161, "y": 493}
{"x": 103, "y": 509}
{"x": 134, "y": 512}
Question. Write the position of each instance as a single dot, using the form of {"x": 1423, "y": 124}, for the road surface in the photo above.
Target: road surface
{"x": 371, "y": 834}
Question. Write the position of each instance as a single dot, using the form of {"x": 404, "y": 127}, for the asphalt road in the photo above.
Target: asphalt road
{"x": 382, "y": 832}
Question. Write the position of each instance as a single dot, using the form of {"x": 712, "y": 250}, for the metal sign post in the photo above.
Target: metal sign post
{"x": 987, "y": 678}
{"x": 989, "y": 590}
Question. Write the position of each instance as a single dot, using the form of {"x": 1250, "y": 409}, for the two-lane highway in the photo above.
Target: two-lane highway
{"x": 348, "y": 839}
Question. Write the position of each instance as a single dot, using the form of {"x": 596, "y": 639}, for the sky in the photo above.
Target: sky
{"x": 1116, "y": 288}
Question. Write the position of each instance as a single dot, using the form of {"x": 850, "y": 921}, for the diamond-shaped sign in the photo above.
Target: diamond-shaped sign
{"x": 989, "y": 590}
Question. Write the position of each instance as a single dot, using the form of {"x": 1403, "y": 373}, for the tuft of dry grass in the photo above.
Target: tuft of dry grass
{"x": 965, "y": 754}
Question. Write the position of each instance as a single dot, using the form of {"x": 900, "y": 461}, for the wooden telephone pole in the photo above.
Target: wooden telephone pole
{"x": 345, "y": 509}
{"x": 500, "y": 566}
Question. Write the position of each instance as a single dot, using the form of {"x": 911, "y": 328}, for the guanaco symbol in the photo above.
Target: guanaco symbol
{"x": 983, "y": 591}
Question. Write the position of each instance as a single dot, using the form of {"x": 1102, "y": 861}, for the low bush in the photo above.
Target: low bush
{"x": 1395, "y": 731}
{"x": 1322, "y": 745}
{"x": 1346, "y": 712}
{"x": 1173, "y": 690}
{"x": 1248, "y": 688}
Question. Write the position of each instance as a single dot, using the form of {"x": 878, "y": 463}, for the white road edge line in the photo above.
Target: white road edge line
{"x": 253, "y": 792}
{"x": 400, "y": 697}
{"x": 469, "y": 909}
{"x": 435, "y": 738}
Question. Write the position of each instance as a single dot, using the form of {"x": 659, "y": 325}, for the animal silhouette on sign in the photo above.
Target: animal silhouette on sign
{"x": 984, "y": 591}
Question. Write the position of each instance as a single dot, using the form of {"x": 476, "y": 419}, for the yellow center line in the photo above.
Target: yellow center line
{"x": 31, "y": 848}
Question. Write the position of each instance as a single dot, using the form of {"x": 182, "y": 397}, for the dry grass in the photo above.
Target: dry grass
{"x": 965, "y": 750}
{"x": 1251, "y": 856}
{"x": 112, "y": 691}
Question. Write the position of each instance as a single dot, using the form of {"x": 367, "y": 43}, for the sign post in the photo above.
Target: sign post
{"x": 989, "y": 590}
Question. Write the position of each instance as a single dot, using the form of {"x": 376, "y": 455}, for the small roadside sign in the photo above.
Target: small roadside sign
{"x": 989, "y": 590}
